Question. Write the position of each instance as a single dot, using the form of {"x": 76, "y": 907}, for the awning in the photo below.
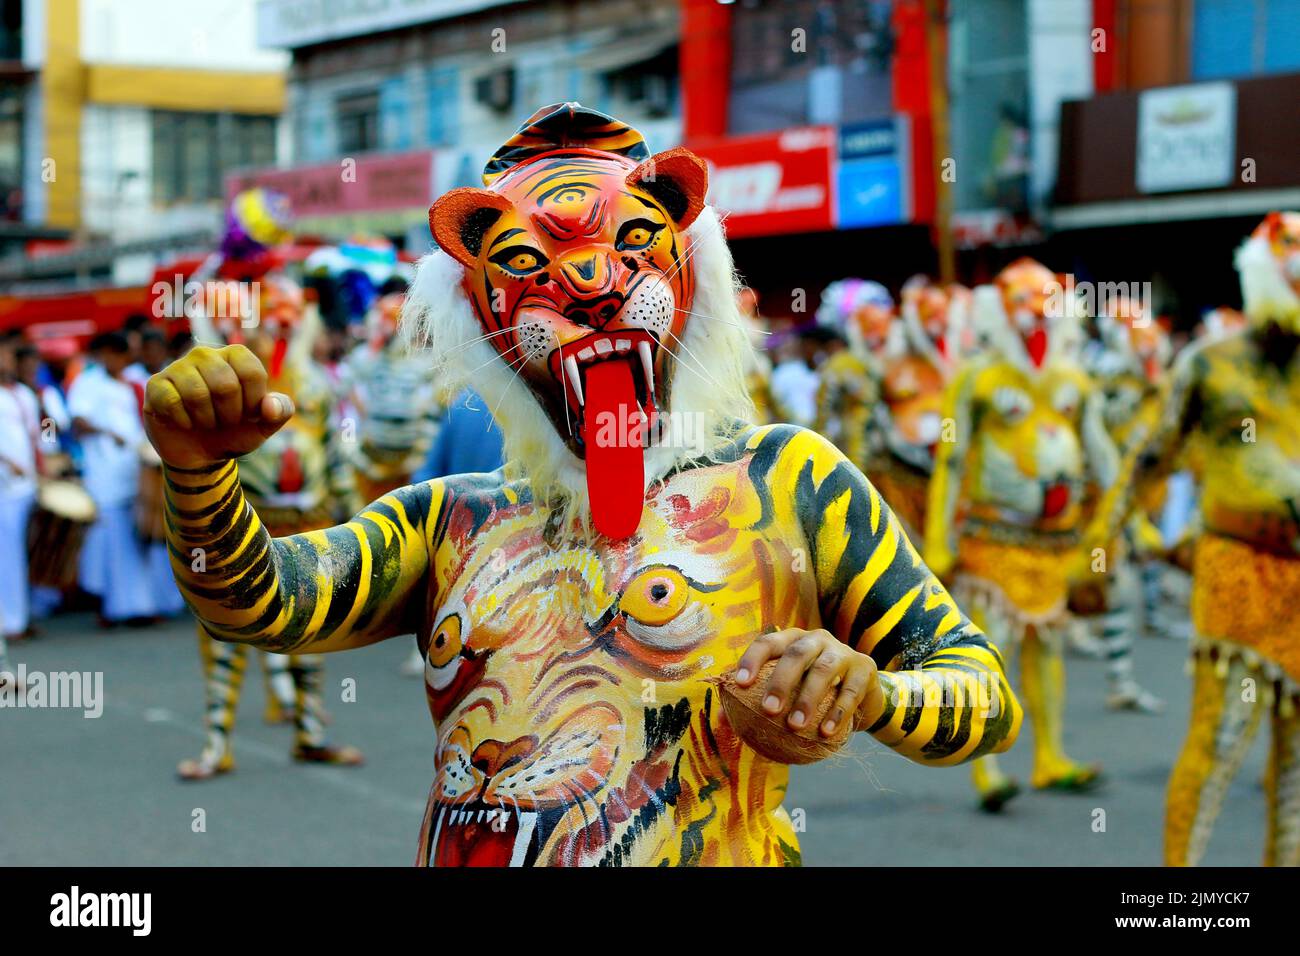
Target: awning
{"x": 1214, "y": 205}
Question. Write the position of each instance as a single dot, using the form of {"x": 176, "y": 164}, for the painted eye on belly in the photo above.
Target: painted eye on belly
{"x": 655, "y": 596}
{"x": 443, "y": 655}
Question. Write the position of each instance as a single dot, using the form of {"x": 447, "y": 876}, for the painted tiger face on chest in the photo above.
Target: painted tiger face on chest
{"x": 578, "y": 271}
{"x": 576, "y": 723}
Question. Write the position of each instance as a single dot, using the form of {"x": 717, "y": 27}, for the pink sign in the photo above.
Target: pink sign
{"x": 365, "y": 184}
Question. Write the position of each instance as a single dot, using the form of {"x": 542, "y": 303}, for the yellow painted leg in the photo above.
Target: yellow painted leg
{"x": 223, "y": 676}
{"x": 993, "y": 786}
{"x": 1042, "y": 679}
{"x": 1283, "y": 784}
{"x": 279, "y": 687}
{"x": 1223, "y": 723}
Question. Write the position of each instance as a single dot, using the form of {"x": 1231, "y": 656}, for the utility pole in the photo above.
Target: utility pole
{"x": 937, "y": 56}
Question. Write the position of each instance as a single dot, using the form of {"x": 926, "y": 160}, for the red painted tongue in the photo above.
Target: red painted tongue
{"x": 612, "y": 435}
{"x": 1055, "y": 499}
{"x": 475, "y": 844}
{"x": 1036, "y": 345}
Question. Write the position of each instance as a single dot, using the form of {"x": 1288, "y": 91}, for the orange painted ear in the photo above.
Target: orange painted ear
{"x": 677, "y": 179}
{"x": 1271, "y": 226}
{"x": 460, "y": 218}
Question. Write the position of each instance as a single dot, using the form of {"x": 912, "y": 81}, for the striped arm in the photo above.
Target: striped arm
{"x": 342, "y": 587}
{"x": 947, "y": 696}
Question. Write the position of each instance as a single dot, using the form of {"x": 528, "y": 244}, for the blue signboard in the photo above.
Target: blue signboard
{"x": 872, "y": 186}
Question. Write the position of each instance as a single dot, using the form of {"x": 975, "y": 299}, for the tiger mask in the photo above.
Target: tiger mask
{"x": 579, "y": 274}
{"x": 1269, "y": 265}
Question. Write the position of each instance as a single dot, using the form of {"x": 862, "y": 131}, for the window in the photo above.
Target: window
{"x": 1233, "y": 38}
{"x": 193, "y": 152}
{"x": 11, "y": 152}
{"x": 796, "y": 62}
{"x": 357, "y": 117}
{"x": 443, "y": 99}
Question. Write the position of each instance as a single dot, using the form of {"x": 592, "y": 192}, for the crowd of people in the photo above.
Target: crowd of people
{"x": 1063, "y": 467}
{"x": 81, "y": 502}
{"x": 1057, "y": 463}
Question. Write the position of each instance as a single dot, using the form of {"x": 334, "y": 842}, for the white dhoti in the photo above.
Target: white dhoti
{"x": 167, "y": 597}
{"x": 115, "y": 565}
{"x": 14, "y": 605}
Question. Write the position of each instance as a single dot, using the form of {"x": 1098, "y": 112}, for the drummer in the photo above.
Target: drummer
{"x": 19, "y": 430}
{"x": 106, "y": 417}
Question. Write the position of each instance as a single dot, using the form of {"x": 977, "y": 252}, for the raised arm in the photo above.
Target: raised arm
{"x": 945, "y": 694}
{"x": 347, "y": 586}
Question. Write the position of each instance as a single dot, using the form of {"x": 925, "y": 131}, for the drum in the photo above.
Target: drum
{"x": 149, "y": 520}
{"x": 63, "y": 513}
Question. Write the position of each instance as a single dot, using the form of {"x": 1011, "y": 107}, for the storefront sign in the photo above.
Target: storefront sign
{"x": 871, "y": 182}
{"x": 773, "y": 183}
{"x": 362, "y": 185}
{"x": 1186, "y": 137}
{"x": 295, "y": 23}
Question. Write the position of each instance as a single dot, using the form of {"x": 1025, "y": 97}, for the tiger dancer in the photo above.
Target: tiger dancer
{"x": 576, "y": 608}
{"x": 1234, "y": 405}
{"x": 297, "y": 481}
{"x": 1005, "y": 510}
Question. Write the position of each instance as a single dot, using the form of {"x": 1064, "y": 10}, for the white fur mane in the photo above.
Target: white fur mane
{"x": 1265, "y": 292}
{"x": 706, "y": 385}
{"x": 994, "y": 331}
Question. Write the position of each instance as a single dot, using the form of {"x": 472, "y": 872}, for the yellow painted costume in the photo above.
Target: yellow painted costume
{"x": 912, "y": 384}
{"x": 393, "y": 395}
{"x": 1006, "y": 501}
{"x": 1129, "y": 369}
{"x": 861, "y": 312}
{"x": 570, "y": 672}
{"x": 1235, "y": 403}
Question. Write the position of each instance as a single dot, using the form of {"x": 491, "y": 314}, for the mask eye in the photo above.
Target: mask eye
{"x": 1066, "y": 400}
{"x": 445, "y": 645}
{"x": 520, "y": 260}
{"x": 655, "y": 596}
{"x": 1012, "y": 404}
{"x": 637, "y": 234}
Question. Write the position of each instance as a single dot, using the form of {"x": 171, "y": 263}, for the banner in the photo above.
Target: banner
{"x": 773, "y": 183}
{"x": 872, "y": 182}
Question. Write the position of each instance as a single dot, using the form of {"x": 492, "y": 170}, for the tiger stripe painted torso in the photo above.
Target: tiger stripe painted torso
{"x": 571, "y": 683}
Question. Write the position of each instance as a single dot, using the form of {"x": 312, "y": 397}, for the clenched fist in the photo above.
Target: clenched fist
{"x": 210, "y": 406}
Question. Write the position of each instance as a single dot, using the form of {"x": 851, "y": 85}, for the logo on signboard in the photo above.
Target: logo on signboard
{"x": 1186, "y": 137}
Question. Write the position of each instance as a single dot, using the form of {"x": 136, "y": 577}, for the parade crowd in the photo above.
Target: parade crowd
{"x": 1062, "y": 465}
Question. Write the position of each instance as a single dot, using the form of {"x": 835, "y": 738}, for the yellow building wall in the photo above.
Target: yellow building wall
{"x": 68, "y": 84}
{"x": 63, "y": 92}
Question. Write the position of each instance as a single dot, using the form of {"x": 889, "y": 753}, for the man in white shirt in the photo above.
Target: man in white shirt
{"x": 19, "y": 427}
{"x": 106, "y": 417}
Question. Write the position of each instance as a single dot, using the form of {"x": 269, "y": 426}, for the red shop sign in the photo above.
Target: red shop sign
{"x": 366, "y": 184}
{"x": 773, "y": 183}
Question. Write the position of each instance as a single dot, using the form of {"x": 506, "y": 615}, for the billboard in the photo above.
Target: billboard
{"x": 773, "y": 183}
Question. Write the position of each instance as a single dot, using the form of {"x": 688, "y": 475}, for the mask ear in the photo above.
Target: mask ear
{"x": 677, "y": 179}
{"x": 460, "y": 219}
{"x": 1272, "y": 225}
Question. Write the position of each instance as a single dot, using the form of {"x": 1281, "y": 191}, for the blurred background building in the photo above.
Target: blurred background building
{"x": 1120, "y": 139}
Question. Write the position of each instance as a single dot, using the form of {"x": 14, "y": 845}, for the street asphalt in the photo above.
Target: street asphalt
{"x": 103, "y": 791}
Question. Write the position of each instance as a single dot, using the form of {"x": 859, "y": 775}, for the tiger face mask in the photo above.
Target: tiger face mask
{"x": 578, "y": 272}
